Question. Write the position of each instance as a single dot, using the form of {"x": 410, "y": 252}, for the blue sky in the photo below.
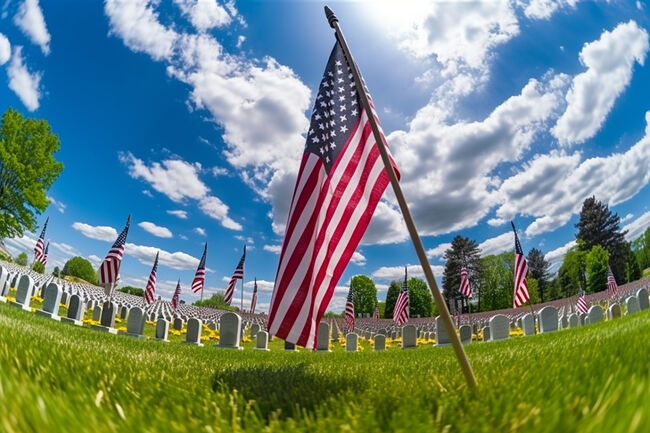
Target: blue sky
{"x": 190, "y": 115}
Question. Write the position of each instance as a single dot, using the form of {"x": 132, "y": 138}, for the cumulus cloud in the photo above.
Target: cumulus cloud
{"x": 262, "y": 285}
{"x": 204, "y": 14}
{"x": 25, "y": 84}
{"x": 31, "y": 21}
{"x": 5, "y": 49}
{"x": 390, "y": 273}
{"x": 609, "y": 62}
{"x": 214, "y": 208}
{"x": 159, "y": 231}
{"x": 438, "y": 251}
{"x": 637, "y": 227}
{"x": 66, "y": 249}
{"x": 146, "y": 255}
{"x": 199, "y": 231}
{"x": 95, "y": 260}
{"x": 358, "y": 259}
{"x": 275, "y": 249}
{"x": 178, "y": 213}
{"x": 60, "y": 206}
{"x": 497, "y": 244}
{"x": 556, "y": 256}
{"x": 100, "y": 233}
{"x": 543, "y": 9}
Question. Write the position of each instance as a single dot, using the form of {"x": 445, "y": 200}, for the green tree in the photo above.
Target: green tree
{"x": 382, "y": 309}
{"x": 498, "y": 281}
{"x": 364, "y": 294}
{"x": 462, "y": 251}
{"x": 38, "y": 267}
{"x": 641, "y": 248}
{"x": 632, "y": 270}
{"x": 218, "y": 300}
{"x": 533, "y": 290}
{"x": 80, "y": 268}
{"x": 391, "y": 298}
{"x": 419, "y": 298}
{"x": 21, "y": 259}
{"x": 131, "y": 290}
{"x": 596, "y": 261}
{"x": 599, "y": 226}
{"x": 572, "y": 272}
{"x": 538, "y": 268}
{"x": 5, "y": 257}
{"x": 27, "y": 170}
{"x": 56, "y": 272}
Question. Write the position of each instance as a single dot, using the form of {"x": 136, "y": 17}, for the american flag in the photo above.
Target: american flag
{"x": 150, "y": 291}
{"x": 465, "y": 288}
{"x": 401, "y": 310}
{"x": 340, "y": 181}
{"x": 612, "y": 287}
{"x": 40, "y": 243}
{"x": 581, "y": 305}
{"x": 376, "y": 315}
{"x": 254, "y": 298}
{"x": 349, "y": 310}
{"x": 109, "y": 270}
{"x": 44, "y": 256}
{"x": 237, "y": 275}
{"x": 199, "y": 277}
{"x": 521, "y": 272}
{"x": 177, "y": 294}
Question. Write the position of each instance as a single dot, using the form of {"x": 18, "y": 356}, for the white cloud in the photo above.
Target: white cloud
{"x": 204, "y": 14}
{"x": 30, "y": 20}
{"x": 609, "y": 62}
{"x": 183, "y": 237}
{"x": 57, "y": 204}
{"x": 275, "y": 249}
{"x": 497, "y": 244}
{"x": 390, "y": 273}
{"x": 199, "y": 231}
{"x": 358, "y": 259}
{"x": 146, "y": 255}
{"x": 136, "y": 23}
{"x": 24, "y": 83}
{"x": 262, "y": 285}
{"x": 627, "y": 218}
{"x": 147, "y": 193}
{"x": 178, "y": 213}
{"x": 5, "y": 49}
{"x": 25, "y": 244}
{"x": 214, "y": 208}
{"x": 69, "y": 250}
{"x": 219, "y": 171}
{"x": 438, "y": 251}
{"x": 555, "y": 257}
{"x": 101, "y": 233}
{"x": 543, "y": 9}
{"x": 95, "y": 260}
{"x": 637, "y": 227}
{"x": 159, "y": 231}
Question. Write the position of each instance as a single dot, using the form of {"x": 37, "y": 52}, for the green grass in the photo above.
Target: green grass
{"x": 60, "y": 378}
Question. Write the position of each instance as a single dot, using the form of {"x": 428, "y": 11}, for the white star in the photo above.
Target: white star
{"x": 311, "y": 131}
{"x": 322, "y": 151}
{"x": 338, "y": 63}
{"x": 354, "y": 102}
{"x": 317, "y": 116}
{"x": 341, "y": 98}
{"x": 340, "y": 80}
{"x": 327, "y": 114}
{"x": 320, "y": 125}
{"x": 332, "y": 145}
{"x": 342, "y": 108}
{"x": 338, "y": 71}
{"x": 353, "y": 92}
{"x": 350, "y": 76}
{"x": 323, "y": 104}
{"x": 343, "y": 118}
{"x": 330, "y": 73}
{"x": 354, "y": 112}
{"x": 333, "y": 133}
{"x": 341, "y": 89}
{"x": 332, "y": 113}
{"x": 315, "y": 140}
{"x": 327, "y": 158}
{"x": 320, "y": 96}
{"x": 325, "y": 84}
{"x": 344, "y": 129}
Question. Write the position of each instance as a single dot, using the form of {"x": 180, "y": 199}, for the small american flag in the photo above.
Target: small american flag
{"x": 40, "y": 243}
{"x": 177, "y": 294}
{"x": 237, "y": 275}
{"x": 340, "y": 181}
{"x": 521, "y": 272}
{"x": 612, "y": 287}
{"x": 199, "y": 277}
{"x": 349, "y": 310}
{"x": 401, "y": 311}
{"x": 109, "y": 270}
{"x": 254, "y": 298}
{"x": 376, "y": 315}
{"x": 150, "y": 291}
{"x": 581, "y": 305}
{"x": 465, "y": 288}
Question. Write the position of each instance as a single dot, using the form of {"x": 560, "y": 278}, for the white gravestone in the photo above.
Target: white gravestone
{"x": 528, "y": 324}
{"x": 573, "y": 321}
{"x": 230, "y": 331}
{"x": 135, "y": 323}
{"x": 614, "y": 311}
{"x": 632, "y": 304}
{"x": 465, "y": 334}
{"x": 97, "y": 313}
{"x": 409, "y": 337}
{"x": 51, "y": 300}
{"x": 107, "y": 321}
{"x": 262, "y": 341}
{"x": 595, "y": 314}
{"x": 644, "y": 302}
{"x": 3, "y": 284}
{"x": 380, "y": 342}
{"x": 162, "y": 330}
{"x": 486, "y": 333}
{"x": 194, "y": 328}
{"x": 25, "y": 284}
{"x": 442, "y": 338}
{"x": 178, "y": 323}
{"x": 323, "y": 337}
{"x": 76, "y": 311}
{"x": 499, "y": 327}
{"x": 351, "y": 342}
{"x": 548, "y": 319}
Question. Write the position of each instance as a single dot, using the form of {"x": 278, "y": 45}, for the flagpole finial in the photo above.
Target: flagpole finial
{"x": 331, "y": 18}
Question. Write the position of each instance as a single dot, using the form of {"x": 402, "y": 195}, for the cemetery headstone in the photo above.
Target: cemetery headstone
{"x": 51, "y": 300}
{"x": 564, "y": 322}
{"x": 178, "y": 323}
{"x": 255, "y": 328}
{"x": 194, "y": 328}
{"x": 135, "y": 323}
{"x": 162, "y": 329}
{"x": 351, "y": 342}
{"x": 290, "y": 347}
{"x": 3, "y": 284}
{"x": 25, "y": 284}
{"x": 76, "y": 310}
{"x": 499, "y": 327}
{"x": 409, "y": 337}
{"x": 528, "y": 324}
{"x": 573, "y": 321}
{"x": 644, "y": 301}
{"x": 632, "y": 304}
{"x": 595, "y": 314}
{"x": 465, "y": 334}
{"x": 323, "y": 337}
{"x": 548, "y": 319}
{"x": 486, "y": 333}
{"x": 262, "y": 341}
{"x": 230, "y": 331}
{"x": 107, "y": 320}
{"x": 442, "y": 338}
{"x": 614, "y": 311}
{"x": 583, "y": 317}
{"x": 380, "y": 342}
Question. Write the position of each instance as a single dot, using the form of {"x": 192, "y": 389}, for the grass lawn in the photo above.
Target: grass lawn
{"x": 60, "y": 378}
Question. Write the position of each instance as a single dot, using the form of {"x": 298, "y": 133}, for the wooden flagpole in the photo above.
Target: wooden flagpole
{"x": 408, "y": 219}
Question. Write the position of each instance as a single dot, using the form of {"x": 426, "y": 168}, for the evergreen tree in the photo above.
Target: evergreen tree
{"x": 632, "y": 271}
{"x": 56, "y": 272}
{"x": 462, "y": 250}
{"x": 596, "y": 261}
{"x": 599, "y": 226}
{"x": 538, "y": 268}
{"x": 419, "y": 298}
{"x": 572, "y": 272}
{"x": 391, "y": 298}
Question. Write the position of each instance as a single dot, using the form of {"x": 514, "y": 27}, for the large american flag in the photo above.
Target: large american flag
{"x": 199, "y": 277}
{"x": 254, "y": 298}
{"x": 349, "y": 310}
{"x": 581, "y": 305}
{"x": 150, "y": 291}
{"x": 465, "y": 288}
{"x": 401, "y": 310}
{"x": 109, "y": 270}
{"x": 177, "y": 294}
{"x": 612, "y": 287}
{"x": 40, "y": 243}
{"x": 521, "y": 272}
{"x": 237, "y": 275}
{"x": 340, "y": 181}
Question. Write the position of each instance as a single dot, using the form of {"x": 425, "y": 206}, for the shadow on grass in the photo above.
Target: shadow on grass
{"x": 287, "y": 389}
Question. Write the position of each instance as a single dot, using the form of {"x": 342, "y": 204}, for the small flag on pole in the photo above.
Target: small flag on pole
{"x": 199, "y": 277}
{"x": 581, "y": 305}
{"x": 237, "y": 275}
{"x": 465, "y": 288}
{"x": 521, "y": 272}
{"x": 612, "y": 287}
{"x": 40, "y": 243}
{"x": 401, "y": 311}
{"x": 177, "y": 294}
{"x": 254, "y": 298}
{"x": 109, "y": 270}
{"x": 150, "y": 291}
{"x": 349, "y": 310}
